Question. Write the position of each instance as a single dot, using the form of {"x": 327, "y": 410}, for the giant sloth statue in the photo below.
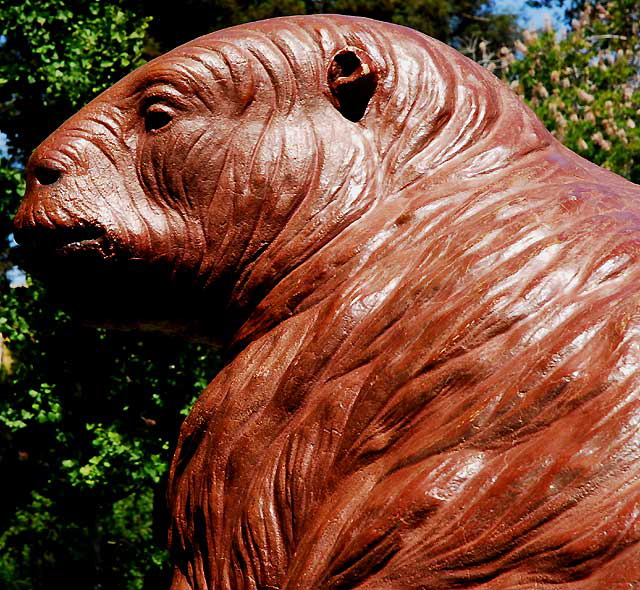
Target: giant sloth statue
{"x": 430, "y": 310}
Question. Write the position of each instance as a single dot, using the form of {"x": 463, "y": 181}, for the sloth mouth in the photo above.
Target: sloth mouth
{"x": 37, "y": 245}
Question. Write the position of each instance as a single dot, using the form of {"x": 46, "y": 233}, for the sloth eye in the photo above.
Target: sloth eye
{"x": 156, "y": 117}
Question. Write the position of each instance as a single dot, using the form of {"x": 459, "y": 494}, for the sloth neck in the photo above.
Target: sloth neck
{"x": 390, "y": 234}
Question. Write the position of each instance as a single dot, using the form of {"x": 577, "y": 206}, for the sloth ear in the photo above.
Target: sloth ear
{"x": 352, "y": 80}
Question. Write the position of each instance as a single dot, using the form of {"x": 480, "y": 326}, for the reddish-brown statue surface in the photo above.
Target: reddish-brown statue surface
{"x": 431, "y": 310}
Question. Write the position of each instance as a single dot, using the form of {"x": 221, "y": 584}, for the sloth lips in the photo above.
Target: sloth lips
{"x": 43, "y": 251}
{"x": 69, "y": 258}
{"x": 84, "y": 272}
{"x": 78, "y": 266}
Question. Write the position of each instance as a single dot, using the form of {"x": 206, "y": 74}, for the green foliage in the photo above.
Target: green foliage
{"x": 58, "y": 54}
{"x": 67, "y": 64}
{"x": 625, "y": 12}
{"x": 88, "y": 420}
{"x": 11, "y": 190}
{"x": 585, "y": 85}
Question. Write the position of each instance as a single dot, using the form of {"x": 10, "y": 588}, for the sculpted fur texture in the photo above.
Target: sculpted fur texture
{"x": 429, "y": 307}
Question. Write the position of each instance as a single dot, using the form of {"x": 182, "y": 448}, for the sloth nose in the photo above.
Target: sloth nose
{"x": 47, "y": 173}
{"x": 44, "y": 169}
{"x": 46, "y": 166}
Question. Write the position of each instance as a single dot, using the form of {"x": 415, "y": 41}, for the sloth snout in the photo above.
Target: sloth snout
{"x": 43, "y": 171}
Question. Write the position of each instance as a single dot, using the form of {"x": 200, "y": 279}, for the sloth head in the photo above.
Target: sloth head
{"x": 206, "y": 177}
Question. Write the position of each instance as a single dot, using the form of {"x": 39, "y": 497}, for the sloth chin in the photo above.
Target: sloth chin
{"x": 102, "y": 288}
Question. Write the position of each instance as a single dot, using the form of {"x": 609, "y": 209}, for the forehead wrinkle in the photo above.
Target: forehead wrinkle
{"x": 216, "y": 76}
{"x": 166, "y": 72}
{"x": 108, "y": 123}
{"x": 230, "y": 69}
{"x": 282, "y": 98}
{"x": 71, "y": 150}
{"x": 203, "y": 57}
{"x": 262, "y": 51}
{"x": 101, "y": 141}
{"x": 295, "y": 66}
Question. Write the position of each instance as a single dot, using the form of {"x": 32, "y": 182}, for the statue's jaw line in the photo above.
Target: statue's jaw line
{"x": 48, "y": 244}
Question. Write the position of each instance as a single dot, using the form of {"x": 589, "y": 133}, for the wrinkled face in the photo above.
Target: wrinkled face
{"x": 175, "y": 179}
{"x": 117, "y": 197}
